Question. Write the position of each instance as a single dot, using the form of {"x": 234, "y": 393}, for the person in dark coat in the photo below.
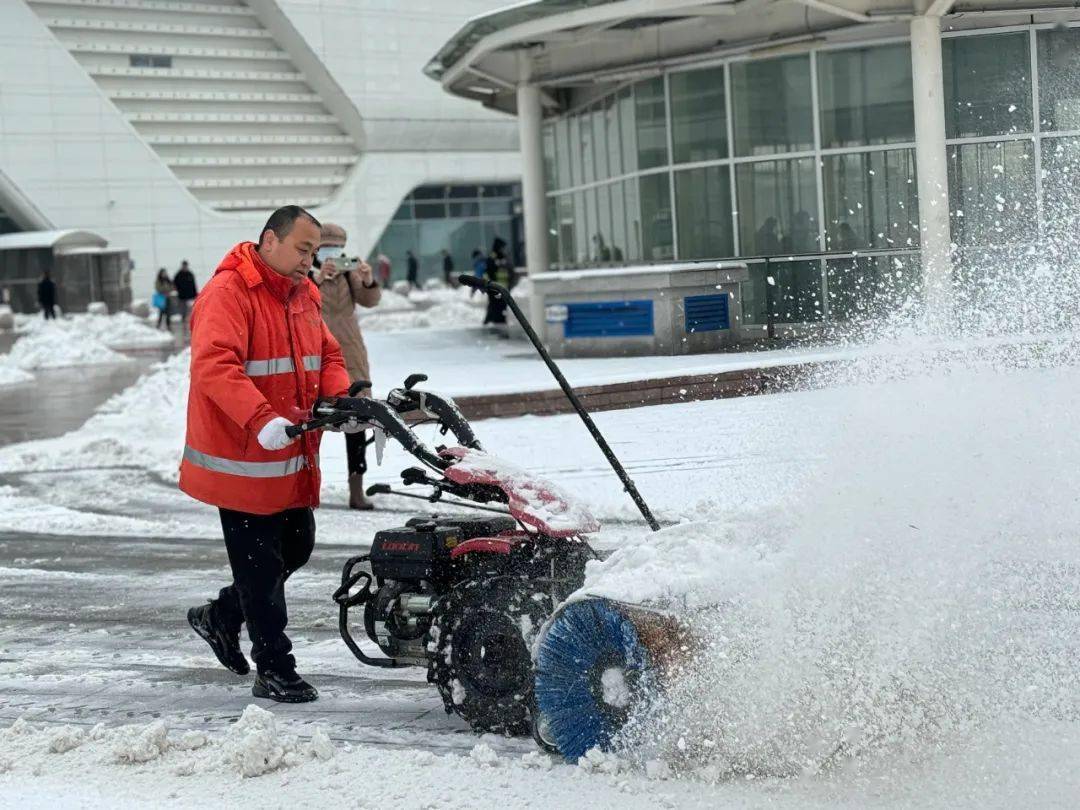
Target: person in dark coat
{"x": 412, "y": 269}
{"x": 500, "y": 270}
{"x": 46, "y": 296}
{"x": 184, "y": 283}
{"x": 448, "y": 269}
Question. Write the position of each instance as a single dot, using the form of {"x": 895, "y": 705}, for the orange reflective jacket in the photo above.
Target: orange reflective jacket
{"x": 259, "y": 349}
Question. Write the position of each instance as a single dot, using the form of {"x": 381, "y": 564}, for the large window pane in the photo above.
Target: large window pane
{"x": 574, "y": 143}
{"x": 563, "y": 153}
{"x": 992, "y": 191}
{"x": 611, "y": 127}
{"x": 698, "y": 128}
{"x": 1059, "y": 79}
{"x": 987, "y": 85}
{"x": 776, "y": 203}
{"x": 618, "y": 222}
{"x": 625, "y": 104}
{"x": 656, "y": 236}
{"x": 567, "y": 224}
{"x": 553, "y": 231}
{"x": 633, "y": 219}
{"x": 865, "y": 96}
{"x": 595, "y": 226}
{"x": 548, "y": 133}
{"x": 599, "y": 142}
{"x": 703, "y": 203}
{"x": 1061, "y": 191}
{"x": 650, "y": 115}
{"x": 602, "y": 239}
{"x": 588, "y": 157}
{"x": 581, "y": 230}
{"x": 871, "y": 200}
{"x": 771, "y": 106}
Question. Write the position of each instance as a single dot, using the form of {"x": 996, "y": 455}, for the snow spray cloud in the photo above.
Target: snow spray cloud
{"x": 922, "y": 584}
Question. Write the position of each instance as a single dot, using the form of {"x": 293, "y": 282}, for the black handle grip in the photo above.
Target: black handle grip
{"x": 472, "y": 281}
{"x": 292, "y": 431}
{"x": 378, "y": 489}
{"x": 358, "y": 386}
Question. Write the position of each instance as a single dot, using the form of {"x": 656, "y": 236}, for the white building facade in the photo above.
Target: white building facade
{"x": 173, "y": 127}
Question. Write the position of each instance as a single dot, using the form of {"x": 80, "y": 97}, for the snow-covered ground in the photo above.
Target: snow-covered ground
{"x": 881, "y": 571}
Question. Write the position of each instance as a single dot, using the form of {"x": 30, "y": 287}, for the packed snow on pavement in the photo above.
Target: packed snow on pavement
{"x": 881, "y": 572}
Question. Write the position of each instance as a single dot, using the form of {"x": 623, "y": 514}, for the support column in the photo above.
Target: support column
{"x": 530, "y": 118}
{"x": 933, "y": 172}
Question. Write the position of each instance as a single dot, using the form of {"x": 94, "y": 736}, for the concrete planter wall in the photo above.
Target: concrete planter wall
{"x": 684, "y": 308}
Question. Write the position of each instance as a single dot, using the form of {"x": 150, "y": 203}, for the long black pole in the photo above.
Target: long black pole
{"x": 628, "y": 484}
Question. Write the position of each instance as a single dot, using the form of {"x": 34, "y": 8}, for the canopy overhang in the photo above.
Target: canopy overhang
{"x": 562, "y": 44}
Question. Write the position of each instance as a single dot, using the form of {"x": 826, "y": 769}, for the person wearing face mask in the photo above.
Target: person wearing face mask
{"x": 341, "y": 290}
{"x": 261, "y": 357}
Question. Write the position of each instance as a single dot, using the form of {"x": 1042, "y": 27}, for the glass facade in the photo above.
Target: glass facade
{"x": 815, "y": 152}
{"x": 459, "y": 219}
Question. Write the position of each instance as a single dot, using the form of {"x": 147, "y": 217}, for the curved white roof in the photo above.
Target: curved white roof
{"x": 60, "y": 241}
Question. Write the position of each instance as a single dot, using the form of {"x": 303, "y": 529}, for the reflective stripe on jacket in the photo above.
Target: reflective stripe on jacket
{"x": 259, "y": 349}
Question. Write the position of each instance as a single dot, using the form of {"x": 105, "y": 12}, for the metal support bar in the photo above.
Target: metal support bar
{"x": 594, "y": 431}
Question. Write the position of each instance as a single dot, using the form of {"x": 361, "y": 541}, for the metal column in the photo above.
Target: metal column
{"x": 530, "y": 119}
{"x": 932, "y": 169}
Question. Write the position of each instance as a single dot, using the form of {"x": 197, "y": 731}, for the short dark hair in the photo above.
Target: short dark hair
{"x": 281, "y": 221}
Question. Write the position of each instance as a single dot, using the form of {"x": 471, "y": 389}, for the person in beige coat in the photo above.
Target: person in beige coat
{"x": 341, "y": 291}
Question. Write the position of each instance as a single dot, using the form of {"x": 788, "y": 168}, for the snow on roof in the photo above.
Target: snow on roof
{"x": 60, "y": 241}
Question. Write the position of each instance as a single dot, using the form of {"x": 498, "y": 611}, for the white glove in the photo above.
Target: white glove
{"x": 272, "y": 436}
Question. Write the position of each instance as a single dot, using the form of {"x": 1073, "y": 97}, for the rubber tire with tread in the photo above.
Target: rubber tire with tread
{"x": 501, "y": 611}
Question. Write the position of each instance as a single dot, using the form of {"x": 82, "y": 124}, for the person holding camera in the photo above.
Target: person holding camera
{"x": 344, "y": 283}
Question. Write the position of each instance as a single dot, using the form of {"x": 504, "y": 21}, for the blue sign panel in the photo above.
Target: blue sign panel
{"x": 609, "y": 319}
{"x": 706, "y": 313}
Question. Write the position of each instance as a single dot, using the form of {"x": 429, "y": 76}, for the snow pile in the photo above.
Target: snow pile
{"x": 439, "y": 307}
{"x": 121, "y": 331}
{"x": 253, "y": 746}
{"x": 533, "y": 500}
{"x": 78, "y": 340}
{"x": 12, "y": 375}
{"x": 888, "y": 606}
{"x": 57, "y": 344}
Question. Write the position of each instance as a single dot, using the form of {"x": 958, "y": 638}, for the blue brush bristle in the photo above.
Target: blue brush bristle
{"x": 585, "y": 637}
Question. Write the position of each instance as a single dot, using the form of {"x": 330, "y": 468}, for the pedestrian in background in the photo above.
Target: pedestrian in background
{"x": 499, "y": 269}
{"x": 46, "y": 296}
{"x": 163, "y": 289}
{"x": 448, "y": 269}
{"x": 383, "y": 270}
{"x": 479, "y": 268}
{"x": 341, "y": 291}
{"x": 412, "y": 269}
{"x": 261, "y": 357}
{"x": 184, "y": 282}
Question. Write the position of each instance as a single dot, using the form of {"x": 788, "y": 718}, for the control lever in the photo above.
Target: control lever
{"x": 413, "y": 379}
{"x": 358, "y": 386}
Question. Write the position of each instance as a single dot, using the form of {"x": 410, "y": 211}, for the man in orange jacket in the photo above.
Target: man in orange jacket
{"x": 260, "y": 358}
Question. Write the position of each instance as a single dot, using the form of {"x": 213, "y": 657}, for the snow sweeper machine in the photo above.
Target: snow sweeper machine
{"x": 480, "y": 601}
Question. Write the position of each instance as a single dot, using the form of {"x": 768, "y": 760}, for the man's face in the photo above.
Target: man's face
{"x": 291, "y": 256}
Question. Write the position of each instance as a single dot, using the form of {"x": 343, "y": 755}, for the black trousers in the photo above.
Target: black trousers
{"x": 49, "y": 310}
{"x": 264, "y": 550}
{"x": 356, "y": 452}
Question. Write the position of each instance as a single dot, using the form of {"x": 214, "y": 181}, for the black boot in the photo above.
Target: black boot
{"x": 284, "y": 687}
{"x": 226, "y": 645}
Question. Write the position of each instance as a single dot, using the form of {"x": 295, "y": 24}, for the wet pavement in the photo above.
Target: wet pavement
{"x": 93, "y": 629}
